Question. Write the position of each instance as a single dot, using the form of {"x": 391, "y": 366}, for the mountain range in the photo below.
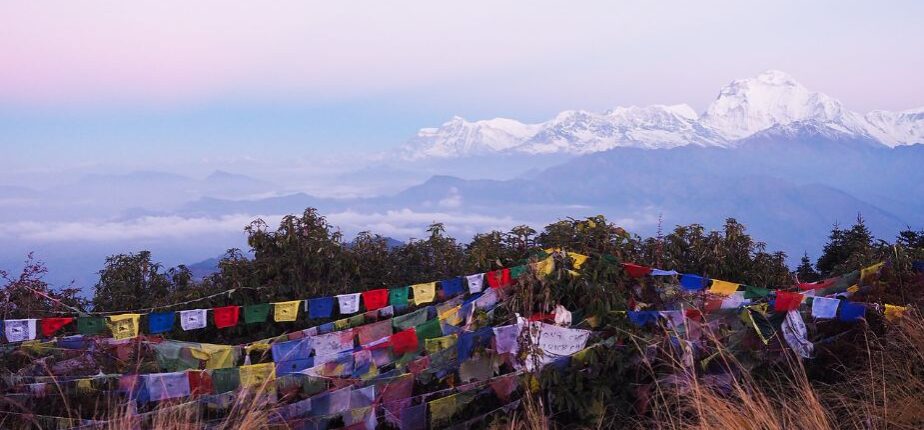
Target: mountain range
{"x": 743, "y": 108}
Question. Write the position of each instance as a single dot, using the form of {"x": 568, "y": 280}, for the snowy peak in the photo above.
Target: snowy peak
{"x": 772, "y": 101}
{"x": 747, "y": 106}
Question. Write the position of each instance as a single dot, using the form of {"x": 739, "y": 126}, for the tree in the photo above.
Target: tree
{"x": 806, "y": 272}
{"x": 131, "y": 281}
{"x": 28, "y": 295}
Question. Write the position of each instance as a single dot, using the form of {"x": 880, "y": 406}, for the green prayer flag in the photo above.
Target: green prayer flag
{"x": 398, "y": 296}
{"x": 517, "y": 271}
{"x": 412, "y": 319}
{"x": 256, "y": 313}
{"x": 224, "y": 380}
{"x": 356, "y": 321}
{"x": 755, "y": 292}
{"x": 90, "y": 325}
{"x": 428, "y": 330}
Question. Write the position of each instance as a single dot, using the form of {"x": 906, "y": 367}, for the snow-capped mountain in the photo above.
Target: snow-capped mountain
{"x": 771, "y": 100}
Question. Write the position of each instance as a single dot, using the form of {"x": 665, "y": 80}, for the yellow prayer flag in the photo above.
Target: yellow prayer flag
{"x": 440, "y": 343}
{"x": 256, "y": 375}
{"x": 84, "y": 386}
{"x": 286, "y": 311}
{"x": 215, "y": 356}
{"x": 452, "y": 316}
{"x": 551, "y": 250}
{"x": 260, "y": 345}
{"x": 893, "y": 312}
{"x": 546, "y": 266}
{"x": 443, "y": 409}
{"x": 424, "y": 293}
{"x": 579, "y": 259}
{"x": 870, "y": 270}
{"x": 342, "y": 324}
{"x": 124, "y": 326}
{"x": 723, "y": 288}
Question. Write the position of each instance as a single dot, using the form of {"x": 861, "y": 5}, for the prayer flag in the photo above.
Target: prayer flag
{"x": 469, "y": 340}
{"x": 257, "y": 375}
{"x": 868, "y": 271}
{"x": 428, "y": 330}
{"x": 498, "y": 278}
{"x": 424, "y": 293}
{"x": 475, "y": 283}
{"x": 284, "y": 312}
{"x": 544, "y": 267}
{"x": 292, "y": 350}
{"x": 349, "y": 303}
{"x": 90, "y": 325}
{"x": 852, "y": 312}
{"x": 404, "y": 341}
{"x": 751, "y": 292}
{"x": 635, "y": 270}
{"x": 288, "y": 367}
{"x": 442, "y": 410}
{"x": 160, "y": 322}
{"x": 163, "y": 386}
{"x": 372, "y": 332}
{"x": 200, "y": 382}
{"x": 477, "y": 369}
{"x": 356, "y": 320}
{"x": 723, "y": 288}
{"x": 824, "y": 307}
{"x": 193, "y": 319}
{"x": 256, "y": 313}
{"x": 50, "y": 326}
{"x": 451, "y": 287}
{"x": 215, "y": 356}
{"x": 398, "y": 296}
{"x": 226, "y": 316}
{"x": 659, "y": 272}
{"x": 19, "y": 330}
{"x": 643, "y": 318}
{"x": 506, "y": 338}
{"x": 787, "y": 301}
{"x": 333, "y": 343}
{"x": 517, "y": 271}
{"x": 893, "y": 312}
{"x": 433, "y": 345}
{"x": 795, "y": 334}
{"x": 375, "y": 299}
{"x": 320, "y": 308}
{"x": 224, "y": 380}
{"x": 578, "y": 260}
{"x": 693, "y": 282}
{"x": 413, "y": 417}
{"x": 410, "y": 320}
{"x": 124, "y": 326}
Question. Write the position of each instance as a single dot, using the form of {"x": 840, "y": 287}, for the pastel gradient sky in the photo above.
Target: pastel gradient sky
{"x": 141, "y": 82}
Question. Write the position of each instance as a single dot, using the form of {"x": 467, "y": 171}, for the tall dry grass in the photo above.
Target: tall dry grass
{"x": 881, "y": 387}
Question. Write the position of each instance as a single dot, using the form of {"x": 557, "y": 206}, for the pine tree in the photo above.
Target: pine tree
{"x": 806, "y": 271}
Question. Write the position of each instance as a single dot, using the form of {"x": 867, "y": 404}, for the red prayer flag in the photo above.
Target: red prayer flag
{"x": 50, "y": 326}
{"x": 375, "y": 299}
{"x": 499, "y": 278}
{"x": 635, "y": 270}
{"x": 226, "y": 316}
{"x": 199, "y": 382}
{"x": 404, "y": 341}
{"x": 712, "y": 305}
{"x": 542, "y": 316}
{"x": 817, "y": 285}
{"x": 786, "y": 301}
{"x": 693, "y": 314}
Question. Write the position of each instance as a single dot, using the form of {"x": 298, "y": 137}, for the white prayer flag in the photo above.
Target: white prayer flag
{"x": 193, "y": 319}
{"x": 475, "y": 283}
{"x": 349, "y": 303}
{"x": 795, "y": 334}
{"x": 824, "y": 307}
{"x": 19, "y": 330}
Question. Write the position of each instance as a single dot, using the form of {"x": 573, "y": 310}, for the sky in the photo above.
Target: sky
{"x": 157, "y": 83}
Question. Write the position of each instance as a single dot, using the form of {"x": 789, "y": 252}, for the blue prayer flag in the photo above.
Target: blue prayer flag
{"x": 693, "y": 282}
{"x": 851, "y": 312}
{"x": 451, "y": 287}
{"x": 298, "y": 349}
{"x": 643, "y": 318}
{"x": 326, "y": 328}
{"x": 287, "y": 367}
{"x": 470, "y": 339}
{"x": 160, "y": 322}
{"x": 320, "y": 308}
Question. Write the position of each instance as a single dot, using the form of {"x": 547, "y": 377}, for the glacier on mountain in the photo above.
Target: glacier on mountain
{"x": 773, "y": 100}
